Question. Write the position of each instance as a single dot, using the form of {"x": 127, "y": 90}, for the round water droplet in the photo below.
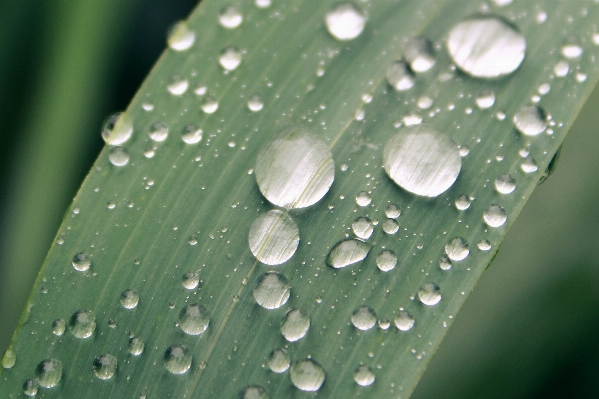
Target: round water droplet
{"x": 463, "y": 202}
{"x": 273, "y": 237}
{"x": 105, "y": 366}
{"x": 296, "y": 170}
{"x": 345, "y": 21}
{"x": 230, "y": 58}
{"x": 209, "y": 105}
{"x": 307, "y": 375}
{"x": 191, "y": 134}
{"x": 457, "y": 249}
{"x": 48, "y": 373}
{"x": 118, "y": 156}
{"x": 82, "y": 324}
{"x": 425, "y": 102}
{"x": 364, "y": 376}
{"x": 117, "y": 129}
{"x": 571, "y": 48}
{"x": 81, "y": 262}
{"x": 362, "y": 227}
{"x": 529, "y": 165}
{"x": 230, "y": 17}
{"x": 136, "y": 346}
{"x": 279, "y": 361}
{"x": 348, "y": 252}
{"x": 484, "y": 245}
{"x": 272, "y": 290}
{"x": 158, "y": 131}
{"x": 190, "y": 280}
{"x": 180, "y": 37}
{"x": 58, "y": 327}
{"x": 129, "y": 299}
{"x": 390, "y": 226}
{"x": 444, "y": 263}
{"x": 485, "y": 99}
{"x": 404, "y": 321}
{"x": 530, "y": 120}
{"x": 363, "y": 198}
{"x": 419, "y": 53}
{"x": 399, "y": 76}
{"x": 177, "y": 359}
{"x": 386, "y": 260}
{"x": 486, "y": 47}
{"x": 422, "y": 160}
{"x": 263, "y": 3}
{"x": 295, "y": 325}
{"x": 177, "y": 85}
{"x": 363, "y": 318}
{"x": 9, "y": 358}
{"x": 30, "y": 387}
{"x": 429, "y": 294}
{"x": 194, "y": 319}
{"x": 255, "y": 104}
{"x": 495, "y": 216}
{"x": 505, "y": 184}
{"x": 253, "y": 392}
{"x": 392, "y": 211}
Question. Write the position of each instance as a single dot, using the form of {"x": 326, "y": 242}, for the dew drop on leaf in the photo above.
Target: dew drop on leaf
{"x": 505, "y": 184}
{"x": 209, "y": 105}
{"x": 253, "y": 392}
{"x": 419, "y": 54}
{"x": 230, "y": 17}
{"x": 404, "y": 321}
{"x": 82, "y": 323}
{"x": 348, "y": 252}
{"x": 463, "y": 202}
{"x": 429, "y": 294}
{"x": 363, "y": 198}
{"x": 9, "y": 358}
{"x": 81, "y": 262}
{"x": 484, "y": 245}
{"x": 362, "y": 227}
{"x": 529, "y": 165}
{"x": 58, "y": 327}
{"x": 571, "y": 48}
{"x": 400, "y": 76}
{"x": 390, "y": 226}
{"x": 364, "y": 376}
{"x": 136, "y": 346}
{"x": 279, "y": 361}
{"x": 495, "y": 216}
{"x": 295, "y": 325}
{"x": 485, "y": 99}
{"x": 530, "y": 120}
{"x": 30, "y": 387}
{"x": 117, "y": 129}
{"x": 129, "y": 299}
{"x": 273, "y": 237}
{"x": 118, "y": 156}
{"x": 230, "y": 58}
{"x": 457, "y": 249}
{"x": 255, "y": 103}
{"x": 105, "y": 366}
{"x": 307, "y": 375}
{"x": 158, "y": 131}
{"x": 177, "y": 85}
{"x": 180, "y": 37}
{"x": 191, "y": 134}
{"x": 444, "y": 263}
{"x": 272, "y": 290}
{"x": 392, "y": 211}
{"x": 363, "y": 318}
{"x": 194, "y": 319}
{"x": 386, "y": 260}
{"x": 190, "y": 280}
{"x": 177, "y": 359}
{"x": 345, "y": 21}
{"x": 48, "y": 373}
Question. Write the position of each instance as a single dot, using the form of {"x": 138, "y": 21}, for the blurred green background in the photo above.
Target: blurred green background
{"x": 529, "y": 330}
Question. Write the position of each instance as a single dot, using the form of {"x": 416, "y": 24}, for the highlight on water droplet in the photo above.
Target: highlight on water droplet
{"x": 530, "y": 120}
{"x": 273, "y": 237}
{"x": 484, "y": 245}
{"x": 194, "y": 319}
{"x": 180, "y": 37}
{"x": 495, "y": 216}
{"x": 230, "y": 58}
{"x": 364, "y": 376}
{"x": 105, "y": 366}
{"x": 30, "y": 387}
{"x": 457, "y": 249}
{"x": 307, "y": 375}
{"x": 386, "y": 260}
{"x": 505, "y": 184}
{"x": 571, "y": 48}
{"x": 118, "y": 156}
{"x": 230, "y": 17}
{"x": 348, "y": 252}
{"x": 177, "y": 359}
{"x": 9, "y": 358}
{"x": 419, "y": 54}
{"x": 363, "y": 198}
{"x": 209, "y": 105}
{"x": 272, "y": 290}
{"x": 400, "y": 76}
{"x": 429, "y": 294}
{"x": 117, "y": 129}
{"x": 255, "y": 103}
{"x": 191, "y": 134}
{"x": 48, "y": 373}
{"x": 392, "y": 211}
{"x": 279, "y": 361}
{"x": 485, "y": 99}
{"x": 363, "y": 318}
{"x": 463, "y": 202}
{"x": 190, "y": 280}
{"x": 177, "y": 85}
{"x": 58, "y": 327}
{"x": 404, "y": 321}
{"x": 81, "y": 262}
{"x": 158, "y": 131}
{"x": 362, "y": 227}
{"x": 253, "y": 392}
{"x": 529, "y": 165}
{"x": 129, "y": 299}
{"x": 444, "y": 263}
{"x": 345, "y": 21}
{"x": 295, "y": 325}
{"x": 390, "y": 226}
{"x": 136, "y": 346}
{"x": 82, "y": 323}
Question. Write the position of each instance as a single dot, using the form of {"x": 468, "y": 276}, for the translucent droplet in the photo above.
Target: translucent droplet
{"x": 177, "y": 85}
{"x": 190, "y": 280}
{"x": 194, "y": 319}
{"x": 191, "y": 134}
{"x": 82, "y": 324}
{"x": 158, "y": 131}
{"x": 463, "y": 202}
{"x": 495, "y": 216}
{"x": 571, "y": 48}
{"x": 180, "y": 37}
{"x": 485, "y": 99}
{"x": 384, "y": 324}
{"x": 363, "y": 198}
{"x": 118, "y": 156}
{"x": 255, "y": 104}
{"x": 230, "y": 58}
{"x": 390, "y": 226}
{"x": 404, "y": 321}
{"x": 209, "y": 105}
{"x": 136, "y": 346}
{"x": 561, "y": 69}
{"x": 392, "y": 211}
{"x": 457, "y": 249}
{"x": 419, "y": 54}
{"x": 9, "y": 358}
{"x": 262, "y": 3}
{"x": 412, "y": 119}
{"x": 230, "y": 17}
{"x": 273, "y": 237}
{"x": 272, "y": 290}
{"x": 129, "y": 299}
{"x": 425, "y": 102}
{"x": 429, "y": 294}
{"x": 348, "y": 252}
{"x": 48, "y": 373}
{"x": 464, "y": 150}
{"x": 253, "y": 392}
{"x": 400, "y": 76}
{"x": 364, "y": 376}
{"x": 422, "y": 160}
{"x": 529, "y": 165}
{"x": 530, "y": 120}
{"x": 363, "y": 318}
{"x": 117, "y": 129}
{"x": 105, "y": 366}
{"x": 295, "y": 325}
{"x": 486, "y": 47}
{"x": 307, "y": 375}
{"x": 345, "y": 21}
{"x": 279, "y": 361}
{"x": 444, "y": 263}
{"x": 362, "y": 227}
{"x": 386, "y": 260}
{"x": 147, "y": 106}
{"x": 505, "y": 184}
{"x": 30, "y": 387}
{"x": 484, "y": 245}
{"x": 296, "y": 170}
{"x": 177, "y": 359}
{"x": 81, "y": 262}
{"x": 58, "y": 327}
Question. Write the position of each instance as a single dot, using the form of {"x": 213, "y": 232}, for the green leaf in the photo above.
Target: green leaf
{"x": 189, "y": 207}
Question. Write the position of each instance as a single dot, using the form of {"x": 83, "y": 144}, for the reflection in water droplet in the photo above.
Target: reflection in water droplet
{"x": 429, "y": 294}
{"x": 419, "y": 53}
{"x": 118, "y": 156}
{"x": 255, "y": 104}
{"x": 230, "y": 58}
{"x": 191, "y": 134}
{"x": 363, "y": 198}
{"x": 422, "y": 160}
{"x": 463, "y": 202}
{"x": 136, "y": 346}
{"x": 392, "y": 211}
{"x": 345, "y": 21}
{"x": 405, "y": 321}
{"x": 296, "y": 170}
{"x": 230, "y": 17}
{"x": 444, "y": 263}
{"x": 530, "y": 120}
{"x": 486, "y": 47}
{"x": 190, "y": 280}
{"x": 485, "y": 99}
{"x": 529, "y": 165}
{"x": 390, "y": 226}
{"x": 484, "y": 245}
{"x": 81, "y": 262}
{"x": 129, "y": 299}
{"x": 158, "y": 131}
{"x": 363, "y": 318}
{"x": 279, "y": 361}
{"x": 307, "y": 375}
{"x": 58, "y": 327}
{"x": 348, "y": 252}
{"x": 295, "y": 325}
{"x": 505, "y": 184}
{"x": 194, "y": 319}
{"x": 48, "y": 373}
{"x": 273, "y": 237}
{"x": 177, "y": 359}
{"x": 30, "y": 387}
{"x": 105, "y": 366}
{"x": 386, "y": 260}
{"x": 209, "y": 105}
{"x": 82, "y": 324}
{"x": 362, "y": 227}
{"x": 457, "y": 249}
{"x": 272, "y": 290}
{"x": 9, "y": 358}
{"x": 495, "y": 216}
{"x": 364, "y": 376}
{"x": 117, "y": 129}
{"x": 253, "y": 392}
{"x": 180, "y": 37}
{"x": 177, "y": 85}
{"x": 399, "y": 76}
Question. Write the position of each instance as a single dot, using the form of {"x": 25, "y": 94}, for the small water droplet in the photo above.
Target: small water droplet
{"x": 444, "y": 263}
{"x": 348, "y": 252}
{"x": 253, "y": 392}
{"x": 191, "y": 134}
{"x": 429, "y": 294}
{"x": 386, "y": 260}
{"x": 505, "y": 184}
{"x": 129, "y": 299}
{"x": 255, "y": 103}
{"x": 177, "y": 359}
{"x": 105, "y": 366}
{"x": 30, "y": 387}
{"x": 209, "y": 105}
{"x": 118, "y": 156}
{"x": 463, "y": 150}
{"x": 495, "y": 216}
{"x": 295, "y": 325}
{"x": 9, "y": 358}
{"x": 272, "y": 290}
{"x": 390, "y": 226}
{"x": 384, "y": 324}
{"x": 158, "y": 131}
{"x": 529, "y": 165}
{"x": 364, "y": 376}
{"x": 530, "y": 120}
{"x": 363, "y": 318}
{"x": 136, "y": 346}
{"x": 190, "y": 280}
{"x": 392, "y": 211}
{"x": 48, "y": 373}
{"x": 485, "y": 99}
{"x": 230, "y": 58}
{"x": 230, "y": 17}
{"x": 81, "y": 262}
{"x": 362, "y": 227}
{"x": 425, "y": 102}
{"x": 180, "y": 37}
{"x": 345, "y": 21}
{"x": 484, "y": 245}
{"x": 463, "y": 202}
{"x": 117, "y": 129}
{"x": 363, "y": 198}
{"x": 58, "y": 327}
{"x": 194, "y": 319}
{"x": 177, "y": 85}
{"x": 561, "y": 69}
{"x": 404, "y": 321}
{"x": 273, "y": 237}
{"x": 307, "y": 375}
{"x": 400, "y": 76}
{"x": 82, "y": 324}
{"x": 571, "y": 48}
{"x": 419, "y": 53}
{"x": 457, "y": 249}
{"x": 262, "y": 3}
{"x": 279, "y": 361}
{"x": 147, "y": 106}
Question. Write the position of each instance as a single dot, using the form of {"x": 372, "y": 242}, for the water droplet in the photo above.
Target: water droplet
{"x": 9, "y": 358}
{"x": 180, "y": 37}
{"x": 495, "y": 216}
{"x": 404, "y": 321}
{"x": 117, "y": 129}
{"x": 296, "y": 170}
{"x": 348, "y": 252}
{"x": 384, "y": 324}
{"x": 307, "y": 375}
{"x": 81, "y": 262}
{"x": 484, "y": 245}
{"x": 505, "y": 184}
{"x": 362, "y": 227}
{"x": 463, "y": 150}
{"x": 392, "y": 211}
{"x": 158, "y": 131}
{"x": 295, "y": 325}
{"x": 136, "y": 346}
{"x": 412, "y": 119}
{"x": 253, "y": 392}
{"x": 30, "y": 387}
{"x": 386, "y": 260}
{"x": 147, "y": 106}
{"x": 273, "y": 237}
{"x": 364, "y": 376}
{"x": 209, "y": 105}
{"x": 230, "y": 17}
{"x": 485, "y": 99}
{"x": 255, "y": 104}
{"x": 363, "y": 198}
{"x": 425, "y": 102}
{"x": 457, "y": 249}
{"x": 191, "y": 134}
{"x": 345, "y": 21}
{"x": 486, "y": 47}
{"x": 390, "y": 226}
{"x": 419, "y": 53}
{"x": 429, "y": 294}
{"x": 561, "y": 69}
{"x": 129, "y": 299}
{"x": 263, "y": 3}
{"x": 529, "y": 165}
{"x": 177, "y": 85}
{"x": 272, "y": 290}
{"x": 230, "y": 58}
{"x": 177, "y": 359}
{"x": 530, "y": 120}
{"x": 444, "y": 263}
{"x": 571, "y": 48}
{"x": 400, "y": 76}
{"x": 82, "y": 324}
{"x": 422, "y": 160}
{"x": 194, "y": 319}
{"x": 363, "y": 318}
{"x": 279, "y": 361}
{"x": 48, "y": 373}
{"x": 58, "y": 327}
{"x": 105, "y": 366}
{"x": 190, "y": 280}
{"x": 118, "y": 156}
{"x": 463, "y": 202}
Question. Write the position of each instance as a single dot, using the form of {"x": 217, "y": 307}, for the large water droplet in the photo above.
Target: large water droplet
{"x": 363, "y": 198}
{"x": 194, "y": 319}
{"x": 82, "y": 323}
{"x": 190, "y": 280}
{"x": 386, "y": 260}
{"x": 348, "y": 252}
{"x": 158, "y": 131}
{"x": 429, "y": 294}
{"x": 105, "y": 366}
{"x": 505, "y": 184}
{"x": 191, "y": 134}
{"x": 457, "y": 249}
{"x": 273, "y": 237}
{"x": 129, "y": 299}
{"x": 486, "y": 47}
{"x": 272, "y": 290}
{"x": 136, "y": 346}
{"x": 364, "y": 376}
{"x": 230, "y": 17}
{"x": 529, "y": 165}
{"x": 180, "y": 37}
{"x": 230, "y": 58}
{"x": 400, "y": 76}
{"x": 404, "y": 321}
{"x": 279, "y": 361}
{"x": 81, "y": 262}
{"x": 345, "y": 21}
{"x": 495, "y": 216}
{"x": 362, "y": 227}
{"x": 209, "y": 105}
{"x": 419, "y": 53}
{"x": 296, "y": 170}
{"x": 363, "y": 318}
{"x": 177, "y": 359}
{"x": 295, "y": 325}
{"x": 422, "y": 160}
{"x": 390, "y": 226}
{"x": 9, "y": 358}
{"x": 530, "y": 120}
{"x": 253, "y": 392}
{"x": 307, "y": 375}
{"x": 30, "y": 387}
{"x": 117, "y": 129}
{"x": 485, "y": 99}
{"x": 48, "y": 373}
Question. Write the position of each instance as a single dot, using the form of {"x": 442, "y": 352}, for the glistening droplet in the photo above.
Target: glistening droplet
{"x": 82, "y": 324}
{"x": 404, "y": 321}
{"x": 105, "y": 366}
{"x": 364, "y": 376}
{"x": 272, "y": 290}
{"x": 180, "y": 37}
{"x": 307, "y": 375}
{"x": 295, "y": 325}
{"x": 117, "y": 129}
{"x": 400, "y": 76}
{"x": 230, "y": 58}
{"x": 457, "y": 249}
{"x": 49, "y": 373}
{"x": 363, "y": 318}
{"x": 194, "y": 319}
{"x": 495, "y": 216}
{"x": 386, "y": 260}
{"x": 230, "y": 17}
{"x": 279, "y": 361}
{"x": 505, "y": 184}
{"x": 345, "y": 21}
{"x": 129, "y": 299}
{"x": 429, "y": 294}
{"x": 81, "y": 262}
{"x": 348, "y": 252}
{"x": 530, "y": 120}
{"x": 273, "y": 237}
{"x": 177, "y": 359}
{"x": 362, "y": 227}
{"x": 253, "y": 392}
